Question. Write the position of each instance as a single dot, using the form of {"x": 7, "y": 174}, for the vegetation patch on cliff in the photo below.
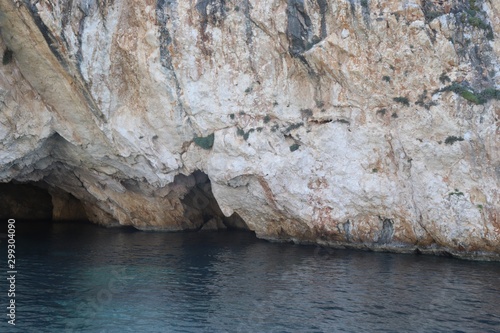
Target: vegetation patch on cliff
{"x": 452, "y": 139}
{"x": 475, "y": 17}
{"x": 293, "y": 126}
{"x": 480, "y": 24}
{"x": 470, "y": 95}
{"x": 467, "y": 12}
{"x": 294, "y": 147}
{"x": 245, "y": 135}
{"x": 456, "y": 192}
{"x": 205, "y": 142}
{"x": 431, "y": 10}
{"x": 424, "y": 102}
{"x": 402, "y": 100}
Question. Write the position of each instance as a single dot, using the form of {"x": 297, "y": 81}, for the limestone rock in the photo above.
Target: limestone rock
{"x": 345, "y": 123}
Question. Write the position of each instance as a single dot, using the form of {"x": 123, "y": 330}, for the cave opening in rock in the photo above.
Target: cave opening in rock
{"x": 37, "y": 201}
{"x": 201, "y": 207}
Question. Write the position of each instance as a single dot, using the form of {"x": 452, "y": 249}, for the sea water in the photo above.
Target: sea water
{"x": 84, "y": 278}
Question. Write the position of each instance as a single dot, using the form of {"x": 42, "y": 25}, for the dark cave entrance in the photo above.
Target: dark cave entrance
{"x": 36, "y": 201}
{"x": 25, "y": 202}
{"x": 202, "y": 209}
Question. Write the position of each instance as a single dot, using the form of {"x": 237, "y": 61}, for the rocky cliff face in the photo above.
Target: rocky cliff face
{"x": 361, "y": 123}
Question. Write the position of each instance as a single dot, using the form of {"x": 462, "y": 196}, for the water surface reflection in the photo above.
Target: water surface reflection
{"x": 84, "y": 278}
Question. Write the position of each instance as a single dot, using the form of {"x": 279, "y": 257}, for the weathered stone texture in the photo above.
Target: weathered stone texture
{"x": 365, "y": 123}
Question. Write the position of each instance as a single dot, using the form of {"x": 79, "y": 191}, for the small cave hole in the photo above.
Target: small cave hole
{"x": 201, "y": 207}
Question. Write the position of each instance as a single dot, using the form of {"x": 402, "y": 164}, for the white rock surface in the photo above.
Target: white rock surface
{"x": 103, "y": 99}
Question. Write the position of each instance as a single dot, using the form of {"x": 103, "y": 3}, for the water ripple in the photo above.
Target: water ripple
{"x": 88, "y": 279}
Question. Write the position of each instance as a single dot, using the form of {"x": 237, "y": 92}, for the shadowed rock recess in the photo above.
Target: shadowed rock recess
{"x": 347, "y": 123}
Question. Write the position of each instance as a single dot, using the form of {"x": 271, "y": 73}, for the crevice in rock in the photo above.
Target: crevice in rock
{"x": 164, "y": 11}
{"x": 387, "y": 231}
{"x": 320, "y": 121}
{"x": 7, "y": 57}
{"x": 164, "y": 38}
{"x": 248, "y": 23}
{"x": 211, "y": 12}
{"x": 50, "y": 39}
{"x": 365, "y": 12}
{"x": 323, "y": 8}
{"x": 299, "y": 28}
{"x": 81, "y": 27}
{"x": 201, "y": 207}
{"x": 246, "y": 7}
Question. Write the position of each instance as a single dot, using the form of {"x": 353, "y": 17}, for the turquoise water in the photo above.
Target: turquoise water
{"x": 83, "y": 278}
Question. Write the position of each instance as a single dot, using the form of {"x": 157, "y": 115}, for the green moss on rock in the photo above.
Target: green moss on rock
{"x": 206, "y": 142}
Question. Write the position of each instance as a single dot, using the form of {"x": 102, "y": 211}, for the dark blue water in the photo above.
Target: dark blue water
{"x": 83, "y": 278}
